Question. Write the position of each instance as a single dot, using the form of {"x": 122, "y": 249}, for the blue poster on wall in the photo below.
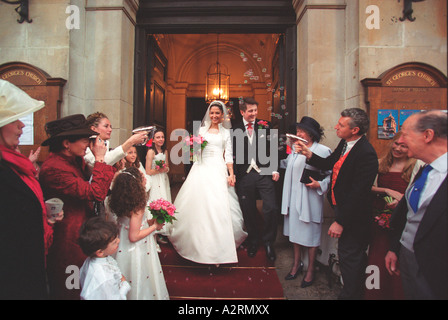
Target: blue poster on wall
{"x": 387, "y": 123}
{"x": 404, "y": 114}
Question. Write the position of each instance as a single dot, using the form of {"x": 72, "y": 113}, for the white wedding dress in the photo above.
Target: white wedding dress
{"x": 209, "y": 226}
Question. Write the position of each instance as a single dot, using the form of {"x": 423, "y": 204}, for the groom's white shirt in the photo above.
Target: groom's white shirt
{"x": 253, "y": 164}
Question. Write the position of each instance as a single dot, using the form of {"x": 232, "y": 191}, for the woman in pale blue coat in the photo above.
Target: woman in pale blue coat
{"x": 302, "y": 202}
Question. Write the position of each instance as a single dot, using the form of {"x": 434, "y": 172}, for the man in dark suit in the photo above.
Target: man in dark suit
{"x": 355, "y": 164}
{"x": 255, "y": 169}
{"x": 420, "y": 223}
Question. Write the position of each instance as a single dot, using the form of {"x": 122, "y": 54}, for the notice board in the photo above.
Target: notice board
{"x": 39, "y": 85}
{"x": 398, "y": 93}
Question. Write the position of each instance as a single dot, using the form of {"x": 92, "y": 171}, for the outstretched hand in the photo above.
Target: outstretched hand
{"x": 300, "y": 147}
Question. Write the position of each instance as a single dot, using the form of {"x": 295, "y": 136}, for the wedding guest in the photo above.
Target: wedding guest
{"x": 100, "y": 123}
{"x": 26, "y": 233}
{"x": 137, "y": 255}
{"x": 64, "y": 175}
{"x": 420, "y": 223}
{"x": 355, "y": 164}
{"x": 394, "y": 173}
{"x": 302, "y": 203}
{"x": 100, "y": 276}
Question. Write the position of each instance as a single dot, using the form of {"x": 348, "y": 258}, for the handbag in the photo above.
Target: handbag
{"x": 316, "y": 175}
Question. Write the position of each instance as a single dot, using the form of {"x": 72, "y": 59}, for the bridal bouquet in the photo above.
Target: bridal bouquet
{"x": 194, "y": 145}
{"x": 160, "y": 164}
{"x": 162, "y": 210}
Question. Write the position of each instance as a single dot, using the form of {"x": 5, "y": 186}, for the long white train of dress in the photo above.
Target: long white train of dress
{"x": 209, "y": 226}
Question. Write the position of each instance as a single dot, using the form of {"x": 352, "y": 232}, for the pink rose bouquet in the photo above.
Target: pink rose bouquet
{"x": 160, "y": 164}
{"x": 162, "y": 210}
{"x": 194, "y": 145}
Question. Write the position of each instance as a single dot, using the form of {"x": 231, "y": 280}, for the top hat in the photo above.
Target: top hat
{"x": 70, "y": 126}
{"x": 311, "y": 126}
{"x": 15, "y": 103}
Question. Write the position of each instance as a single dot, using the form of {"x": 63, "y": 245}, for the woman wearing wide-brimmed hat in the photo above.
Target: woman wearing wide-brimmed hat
{"x": 303, "y": 196}
{"x": 65, "y": 175}
{"x": 25, "y": 231}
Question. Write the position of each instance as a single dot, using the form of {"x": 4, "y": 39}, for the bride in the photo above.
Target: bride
{"x": 209, "y": 225}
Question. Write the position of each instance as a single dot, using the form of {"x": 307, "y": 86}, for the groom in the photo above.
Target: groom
{"x": 255, "y": 172}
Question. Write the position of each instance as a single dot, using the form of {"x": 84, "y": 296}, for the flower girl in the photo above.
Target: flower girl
{"x": 157, "y": 168}
{"x": 137, "y": 256}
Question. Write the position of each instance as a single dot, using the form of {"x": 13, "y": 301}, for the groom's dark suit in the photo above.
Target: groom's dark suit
{"x": 251, "y": 184}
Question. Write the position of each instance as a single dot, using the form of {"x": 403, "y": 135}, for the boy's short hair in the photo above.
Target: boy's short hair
{"x": 96, "y": 234}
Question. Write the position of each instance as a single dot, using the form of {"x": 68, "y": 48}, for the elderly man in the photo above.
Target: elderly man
{"x": 355, "y": 164}
{"x": 420, "y": 221}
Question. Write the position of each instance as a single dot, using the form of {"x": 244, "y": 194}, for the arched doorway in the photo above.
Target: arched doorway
{"x": 176, "y": 43}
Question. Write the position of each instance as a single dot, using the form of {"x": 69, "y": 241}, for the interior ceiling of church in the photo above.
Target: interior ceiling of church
{"x": 248, "y": 57}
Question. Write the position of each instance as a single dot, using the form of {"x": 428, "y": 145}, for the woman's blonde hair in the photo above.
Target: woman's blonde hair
{"x": 386, "y": 162}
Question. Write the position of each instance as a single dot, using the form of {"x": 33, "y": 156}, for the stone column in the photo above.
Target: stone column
{"x": 102, "y": 63}
{"x": 321, "y": 62}
{"x": 321, "y": 79}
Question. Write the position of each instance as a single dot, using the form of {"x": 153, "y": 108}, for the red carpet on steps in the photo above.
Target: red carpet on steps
{"x": 251, "y": 278}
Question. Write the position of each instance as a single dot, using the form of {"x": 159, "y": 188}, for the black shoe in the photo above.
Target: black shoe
{"x": 252, "y": 250}
{"x": 306, "y": 283}
{"x": 270, "y": 253}
{"x": 290, "y": 276}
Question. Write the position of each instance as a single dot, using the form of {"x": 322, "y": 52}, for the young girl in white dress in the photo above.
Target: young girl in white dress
{"x": 132, "y": 160}
{"x": 158, "y": 176}
{"x": 159, "y": 180}
{"x": 209, "y": 225}
{"x": 137, "y": 256}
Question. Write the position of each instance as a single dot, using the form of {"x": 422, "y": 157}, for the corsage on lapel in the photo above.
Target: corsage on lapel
{"x": 262, "y": 124}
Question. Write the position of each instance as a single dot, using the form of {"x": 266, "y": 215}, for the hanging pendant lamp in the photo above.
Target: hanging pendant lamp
{"x": 217, "y": 81}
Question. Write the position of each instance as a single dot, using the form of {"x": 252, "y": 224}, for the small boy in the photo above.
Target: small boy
{"x": 100, "y": 276}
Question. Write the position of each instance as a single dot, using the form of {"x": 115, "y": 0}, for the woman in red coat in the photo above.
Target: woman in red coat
{"x": 64, "y": 175}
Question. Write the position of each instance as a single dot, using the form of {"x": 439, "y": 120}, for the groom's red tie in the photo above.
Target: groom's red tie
{"x": 250, "y": 129}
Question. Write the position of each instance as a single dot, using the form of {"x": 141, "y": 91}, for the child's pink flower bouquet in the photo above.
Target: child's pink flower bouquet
{"x": 162, "y": 210}
{"x": 160, "y": 164}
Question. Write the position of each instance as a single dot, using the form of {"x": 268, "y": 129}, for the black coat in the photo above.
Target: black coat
{"x": 265, "y": 160}
{"x": 22, "y": 269}
{"x": 353, "y": 186}
{"x": 431, "y": 239}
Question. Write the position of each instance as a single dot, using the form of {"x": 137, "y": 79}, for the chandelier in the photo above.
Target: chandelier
{"x": 217, "y": 81}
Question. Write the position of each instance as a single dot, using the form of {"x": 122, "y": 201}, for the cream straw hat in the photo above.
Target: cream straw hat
{"x": 15, "y": 103}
